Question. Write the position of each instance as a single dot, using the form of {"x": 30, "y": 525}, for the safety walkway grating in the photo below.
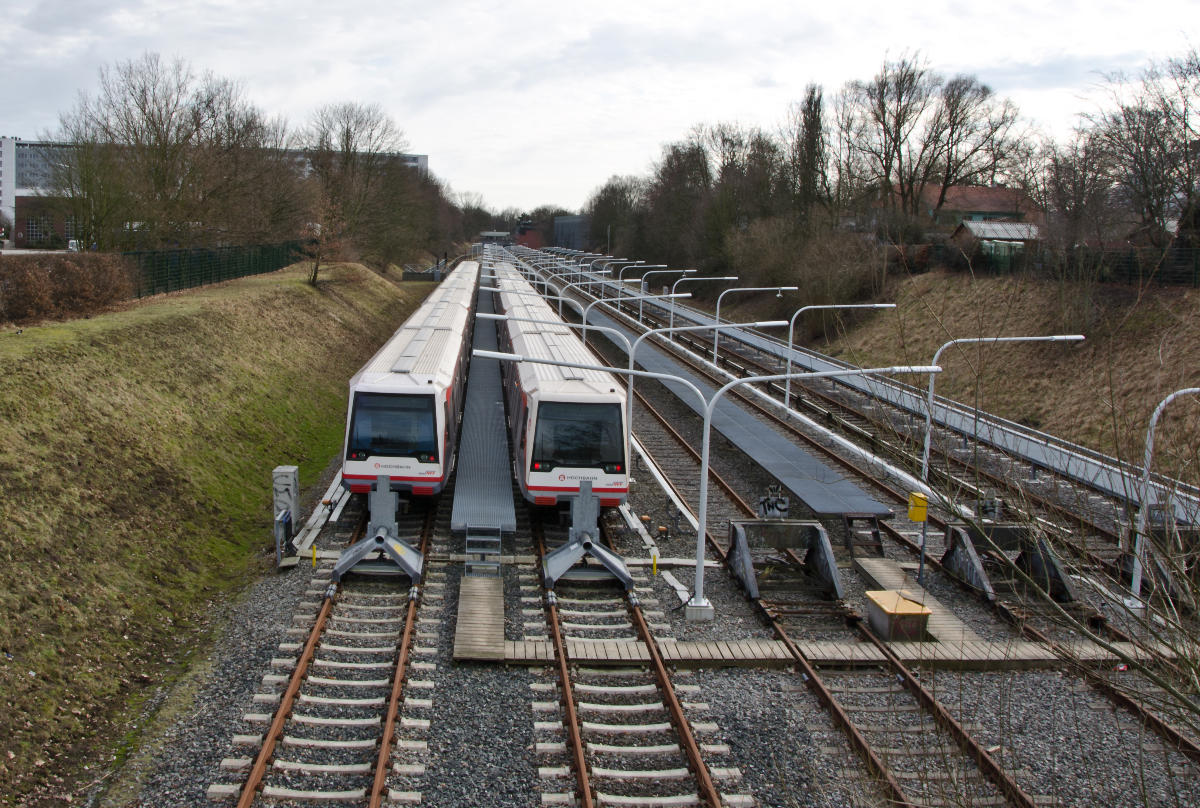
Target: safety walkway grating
{"x": 824, "y": 490}
{"x": 483, "y": 496}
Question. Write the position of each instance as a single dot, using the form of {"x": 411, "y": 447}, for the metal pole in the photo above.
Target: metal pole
{"x": 642, "y": 337}
{"x": 636, "y": 297}
{"x": 656, "y": 272}
{"x": 717, "y": 318}
{"x": 621, "y": 277}
{"x": 787, "y": 386}
{"x": 929, "y": 413}
{"x": 1144, "y": 491}
{"x": 698, "y": 608}
{"x": 671, "y": 322}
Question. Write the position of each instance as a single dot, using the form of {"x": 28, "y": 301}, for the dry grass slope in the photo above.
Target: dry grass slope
{"x": 135, "y": 457}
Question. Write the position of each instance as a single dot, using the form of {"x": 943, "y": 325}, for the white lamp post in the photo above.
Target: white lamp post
{"x": 698, "y": 608}
{"x": 787, "y": 387}
{"x": 1143, "y": 514}
{"x": 621, "y": 276}
{"x": 707, "y": 327}
{"x": 610, "y": 263}
{"x": 671, "y": 321}
{"x": 534, "y": 293}
{"x": 657, "y": 272}
{"x": 929, "y": 410}
{"x": 634, "y": 297}
{"x": 778, "y": 290}
{"x": 564, "y": 289}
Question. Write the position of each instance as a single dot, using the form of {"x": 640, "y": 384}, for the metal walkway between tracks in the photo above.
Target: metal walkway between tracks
{"x": 824, "y": 490}
{"x": 483, "y": 496}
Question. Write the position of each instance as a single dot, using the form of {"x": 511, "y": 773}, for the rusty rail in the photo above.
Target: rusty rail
{"x": 691, "y": 749}
{"x": 987, "y": 764}
{"x": 857, "y": 739}
{"x": 384, "y": 757}
{"x": 267, "y": 750}
{"x": 1186, "y": 746}
{"x": 571, "y": 715}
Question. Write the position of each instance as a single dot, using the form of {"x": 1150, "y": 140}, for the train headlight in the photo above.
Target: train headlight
{"x": 614, "y": 468}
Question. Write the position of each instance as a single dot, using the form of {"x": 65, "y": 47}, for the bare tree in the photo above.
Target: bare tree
{"x": 974, "y": 128}
{"x": 676, "y": 198}
{"x": 807, "y": 156}
{"x": 614, "y": 212}
{"x": 1078, "y": 192}
{"x": 350, "y": 146}
{"x": 161, "y": 156}
{"x": 898, "y": 134}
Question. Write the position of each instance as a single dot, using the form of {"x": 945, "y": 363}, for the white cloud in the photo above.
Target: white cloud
{"x": 531, "y": 103}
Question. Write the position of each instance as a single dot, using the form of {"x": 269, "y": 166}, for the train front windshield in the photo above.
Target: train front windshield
{"x": 578, "y": 435}
{"x": 390, "y": 425}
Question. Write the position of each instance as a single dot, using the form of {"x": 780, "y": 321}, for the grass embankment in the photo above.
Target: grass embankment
{"x": 1099, "y": 393}
{"x": 136, "y": 450}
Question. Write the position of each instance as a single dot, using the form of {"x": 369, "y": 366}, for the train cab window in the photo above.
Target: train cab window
{"x": 390, "y": 425}
{"x": 578, "y": 435}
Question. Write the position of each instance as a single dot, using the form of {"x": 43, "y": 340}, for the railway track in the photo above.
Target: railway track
{"x": 631, "y": 735}
{"x": 343, "y": 712}
{"x": 906, "y": 737}
{"x": 1082, "y": 519}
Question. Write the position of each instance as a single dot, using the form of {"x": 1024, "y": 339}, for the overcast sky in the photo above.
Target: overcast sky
{"x": 539, "y": 103}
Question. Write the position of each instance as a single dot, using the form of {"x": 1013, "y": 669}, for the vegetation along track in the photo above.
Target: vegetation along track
{"x": 1080, "y": 521}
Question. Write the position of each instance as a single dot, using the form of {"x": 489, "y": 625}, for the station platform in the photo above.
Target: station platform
{"x": 827, "y": 492}
{"x": 483, "y": 497}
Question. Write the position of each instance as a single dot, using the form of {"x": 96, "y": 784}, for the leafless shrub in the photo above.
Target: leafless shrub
{"x": 39, "y": 286}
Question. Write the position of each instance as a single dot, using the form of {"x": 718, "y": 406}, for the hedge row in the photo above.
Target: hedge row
{"x": 34, "y": 287}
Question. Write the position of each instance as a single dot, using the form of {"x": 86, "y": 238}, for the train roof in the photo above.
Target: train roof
{"x": 548, "y": 342}
{"x": 425, "y": 349}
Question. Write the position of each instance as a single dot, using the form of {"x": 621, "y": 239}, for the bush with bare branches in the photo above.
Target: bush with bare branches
{"x": 40, "y": 286}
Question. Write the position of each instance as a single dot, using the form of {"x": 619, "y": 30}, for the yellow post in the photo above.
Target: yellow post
{"x": 654, "y": 563}
{"x": 314, "y": 555}
{"x": 918, "y": 506}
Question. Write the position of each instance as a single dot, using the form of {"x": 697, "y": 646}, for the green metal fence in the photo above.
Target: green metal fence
{"x": 171, "y": 270}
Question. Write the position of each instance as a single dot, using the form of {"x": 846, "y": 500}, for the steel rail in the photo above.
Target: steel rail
{"x": 808, "y": 673}
{"x": 859, "y": 741}
{"x": 384, "y": 757}
{"x": 287, "y": 702}
{"x": 1186, "y": 746}
{"x": 897, "y": 452}
{"x": 691, "y": 749}
{"x": 987, "y": 764}
{"x": 254, "y": 780}
{"x": 810, "y": 676}
{"x": 1082, "y": 553}
{"x": 571, "y": 714}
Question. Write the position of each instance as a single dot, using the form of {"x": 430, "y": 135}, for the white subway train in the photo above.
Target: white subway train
{"x": 406, "y": 403}
{"x": 567, "y": 425}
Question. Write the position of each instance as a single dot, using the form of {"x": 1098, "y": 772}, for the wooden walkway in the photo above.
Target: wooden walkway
{"x": 1019, "y": 655}
{"x": 479, "y": 633}
{"x": 943, "y": 625}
